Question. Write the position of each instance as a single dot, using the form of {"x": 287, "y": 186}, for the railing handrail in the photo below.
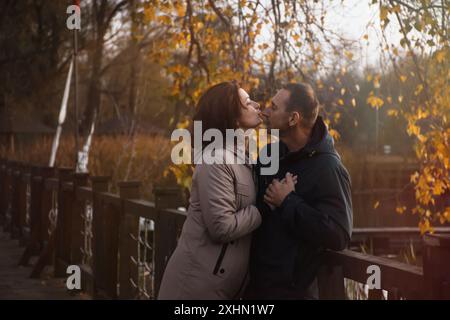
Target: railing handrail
{"x": 407, "y": 279}
{"x": 385, "y": 231}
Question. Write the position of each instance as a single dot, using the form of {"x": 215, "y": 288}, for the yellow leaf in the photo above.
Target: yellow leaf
{"x": 341, "y": 102}
{"x": 414, "y": 177}
{"x": 149, "y": 13}
{"x": 180, "y": 10}
{"x": 348, "y": 54}
{"x": 400, "y": 210}
{"x": 384, "y": 11}
{"x": 403, "y": 78}
{"x": 334, "y": 134}
{"x": 412, "y": 129}
{"x": 376, "y": 204}
{"x": 438, "y": 188}
{"x": 418, "y": 89}
{"x": 447, "y": 214}
{"x": 353, "y": 102}
{"x": 440, "y": 56}
{"x": 425, "y": 226}
{"x": 198, "y": 25}
{"x": 392, "y": 112}
{"x": 422, "y": 138}
{"x": 396, "y": 8}
{"x": 166, "y": 20}
{"x": 376, "y": 82}
{"x": 375, "y": 102}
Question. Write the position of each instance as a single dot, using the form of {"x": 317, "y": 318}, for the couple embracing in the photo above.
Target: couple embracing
{"x": 253, "y": 236}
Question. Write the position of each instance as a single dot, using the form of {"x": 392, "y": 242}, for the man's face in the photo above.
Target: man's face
{"x": 276, "y": 116}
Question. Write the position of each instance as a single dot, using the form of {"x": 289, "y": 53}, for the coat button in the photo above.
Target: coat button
{"x": 222, "y": 270}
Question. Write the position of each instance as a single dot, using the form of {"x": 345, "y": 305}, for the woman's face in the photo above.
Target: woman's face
{"x": 250, "y": 113}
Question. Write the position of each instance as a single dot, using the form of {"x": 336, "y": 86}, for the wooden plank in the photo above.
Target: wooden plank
{"x": 166, "y": 229}
{"x": 110, "y": 198}
{"x": 141, "y": 208}
{"x": 64, "y": 222}
{"x": 44, "y": 259}
{"x": 110, "y": 245}
{"x": 52, "y": 183}
{"x": 393, "y": 274}
{"x": 129, "y": 234}
{"x": 331, "y": 283}
{"x": 99, "y": 185}
{"x": 67, "y": 186}
{"x": 87, "y": 280}
{"x": 78, "y": 207}
{"x": 83, "y": 193}
{"x": 394, "y": 231}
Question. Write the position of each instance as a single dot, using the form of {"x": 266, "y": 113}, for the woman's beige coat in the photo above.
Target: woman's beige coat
{"x": 212, "y": 255}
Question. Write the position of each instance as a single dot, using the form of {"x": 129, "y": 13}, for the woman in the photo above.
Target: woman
{"x": 211, "y": 258}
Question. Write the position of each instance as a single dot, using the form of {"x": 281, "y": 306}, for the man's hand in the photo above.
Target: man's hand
{"x": 278, "y": 190}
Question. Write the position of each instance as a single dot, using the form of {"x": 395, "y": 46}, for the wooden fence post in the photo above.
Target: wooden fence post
{"x": 128, "y": 247}
{"x": 36, "y": 189}
{"x": 436, "y": 266}
{"x": 99, "y": 184}
{"x": 2, "y": 191}
{"x": 15, "y": 202}
{"x": 63, "y": 225}
{"x": 8, "y": 192}
{"x": 165, "y": 229}
{"x": 24, "y": 217}
{"x": 79, "y": 180}
{"x": 330, "y": 280}
{"x": 46, "y": 202}
{"x": 42, "y": 206}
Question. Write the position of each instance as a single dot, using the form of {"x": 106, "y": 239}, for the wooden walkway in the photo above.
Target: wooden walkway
{"x": 15, "y": 283}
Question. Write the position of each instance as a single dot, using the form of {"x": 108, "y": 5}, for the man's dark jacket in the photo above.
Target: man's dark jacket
{"x": 287, "y": 247}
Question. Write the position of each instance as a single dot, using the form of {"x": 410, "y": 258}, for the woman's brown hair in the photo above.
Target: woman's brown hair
{"x": 219, "y": 107}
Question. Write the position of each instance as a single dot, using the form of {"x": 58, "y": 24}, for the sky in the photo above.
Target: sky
{"x": 354, "y": 19}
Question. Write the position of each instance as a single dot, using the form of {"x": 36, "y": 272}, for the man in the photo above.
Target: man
{"x": 299, "y": 220}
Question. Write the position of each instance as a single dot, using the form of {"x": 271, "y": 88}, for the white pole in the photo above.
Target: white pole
{"x": 83, "y": 156}
{"x": 62, "y": 117}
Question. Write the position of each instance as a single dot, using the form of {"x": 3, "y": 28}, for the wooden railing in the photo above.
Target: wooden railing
{"x": 122, "y": 243}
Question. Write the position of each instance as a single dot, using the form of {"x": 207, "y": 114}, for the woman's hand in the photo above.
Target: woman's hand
{"x": 277, "y": 191}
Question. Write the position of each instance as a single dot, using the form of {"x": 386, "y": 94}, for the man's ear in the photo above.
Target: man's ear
{"x": 294, "y": 119}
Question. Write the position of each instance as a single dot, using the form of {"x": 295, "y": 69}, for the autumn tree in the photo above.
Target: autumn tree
{"x": 424, "y": 100}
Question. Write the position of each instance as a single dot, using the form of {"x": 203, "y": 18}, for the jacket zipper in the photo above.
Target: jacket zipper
{"x": 220, "y": 259}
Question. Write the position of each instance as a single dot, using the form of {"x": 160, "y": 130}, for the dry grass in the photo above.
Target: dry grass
{"x": 116, "y": 156}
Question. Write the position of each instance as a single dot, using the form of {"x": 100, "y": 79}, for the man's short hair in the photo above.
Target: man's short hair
{"x": 303, "y": 99}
